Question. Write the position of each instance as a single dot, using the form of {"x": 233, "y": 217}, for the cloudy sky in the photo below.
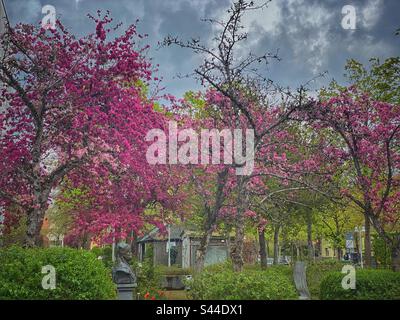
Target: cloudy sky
{"x": 307, "y": 33}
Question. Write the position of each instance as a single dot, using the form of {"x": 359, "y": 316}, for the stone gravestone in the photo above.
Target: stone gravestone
{"x": 122, "y": 273}
{"x": 300, "y": 280}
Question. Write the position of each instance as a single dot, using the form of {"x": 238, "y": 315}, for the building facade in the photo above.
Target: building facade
{"x": 179, "y": 247}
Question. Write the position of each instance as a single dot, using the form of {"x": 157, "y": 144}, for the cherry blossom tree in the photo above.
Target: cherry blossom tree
{"x": 76, "y": 108}
{"x": 246, "y": 99}
{"x": 361, "y": 135}
{"x": 381, "y": 80}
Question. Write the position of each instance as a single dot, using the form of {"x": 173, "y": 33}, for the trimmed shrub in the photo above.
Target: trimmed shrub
{"x": 79, "y": 274}
{"x": 105, "y": 254}
{"x": 219, "y": 282}
{"x": 370, "y": 285}
{"x": 317, "y": 270}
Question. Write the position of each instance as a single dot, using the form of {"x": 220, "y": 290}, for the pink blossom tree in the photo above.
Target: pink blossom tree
{"x": 74, "y": 107}
{"x": 243, "y": 99}
{"x": 361, "y": 137}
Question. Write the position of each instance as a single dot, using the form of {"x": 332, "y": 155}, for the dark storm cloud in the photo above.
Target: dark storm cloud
{"x": 308, "y": 34}
{"x": 311, "y": 39}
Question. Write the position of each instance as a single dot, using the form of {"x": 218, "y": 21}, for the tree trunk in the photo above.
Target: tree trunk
{"x": 367, "y": 242}
{"x": 391, "y": 242}
{"x": 310, "y": 247}
{"x": 201, "y": 252}
{"x": 292, "y": 249}
{"x": 134, "y": 245}
{"x": 88, "y": 242}
{"x": 228, "y": 244}
{"x": 396, "y": 259}
{"x": 40, "y": 194}
{"x": 34, "y": 225}
{"x": 339, "y": 253}
{"x": 276, "y": 244}
{"x": 237, "y": 248}
{"x": 263, "y": 249}
{"x": 396, "y": 253}
{"x": 211, "y": 220}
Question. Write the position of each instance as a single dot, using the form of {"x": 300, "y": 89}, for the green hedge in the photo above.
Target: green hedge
{"x": 79, "y": 274}
{"x": 370, "y": 285}
{"x": 316, "y": 271}
{"x": 105, "y": 255}
{"x": 219, "y": 282}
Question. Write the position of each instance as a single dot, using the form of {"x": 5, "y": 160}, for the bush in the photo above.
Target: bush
{"x": 219, "y": 282}
{"x": 174, "y": 270}
{"x": 317, "y": 270}
{"x": 382, "y": 252}
{"x": 148, "y": 276}
{"x": 79, "y": 274}
{"x": 370, "y": 285}
{"x": 106, "y": 255}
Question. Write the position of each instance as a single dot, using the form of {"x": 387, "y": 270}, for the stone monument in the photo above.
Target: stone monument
{"x": 122, "y": 273}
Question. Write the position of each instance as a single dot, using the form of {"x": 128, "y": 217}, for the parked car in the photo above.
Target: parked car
{"x": 352, "y": 257}
{"x": 284, "y": 261}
